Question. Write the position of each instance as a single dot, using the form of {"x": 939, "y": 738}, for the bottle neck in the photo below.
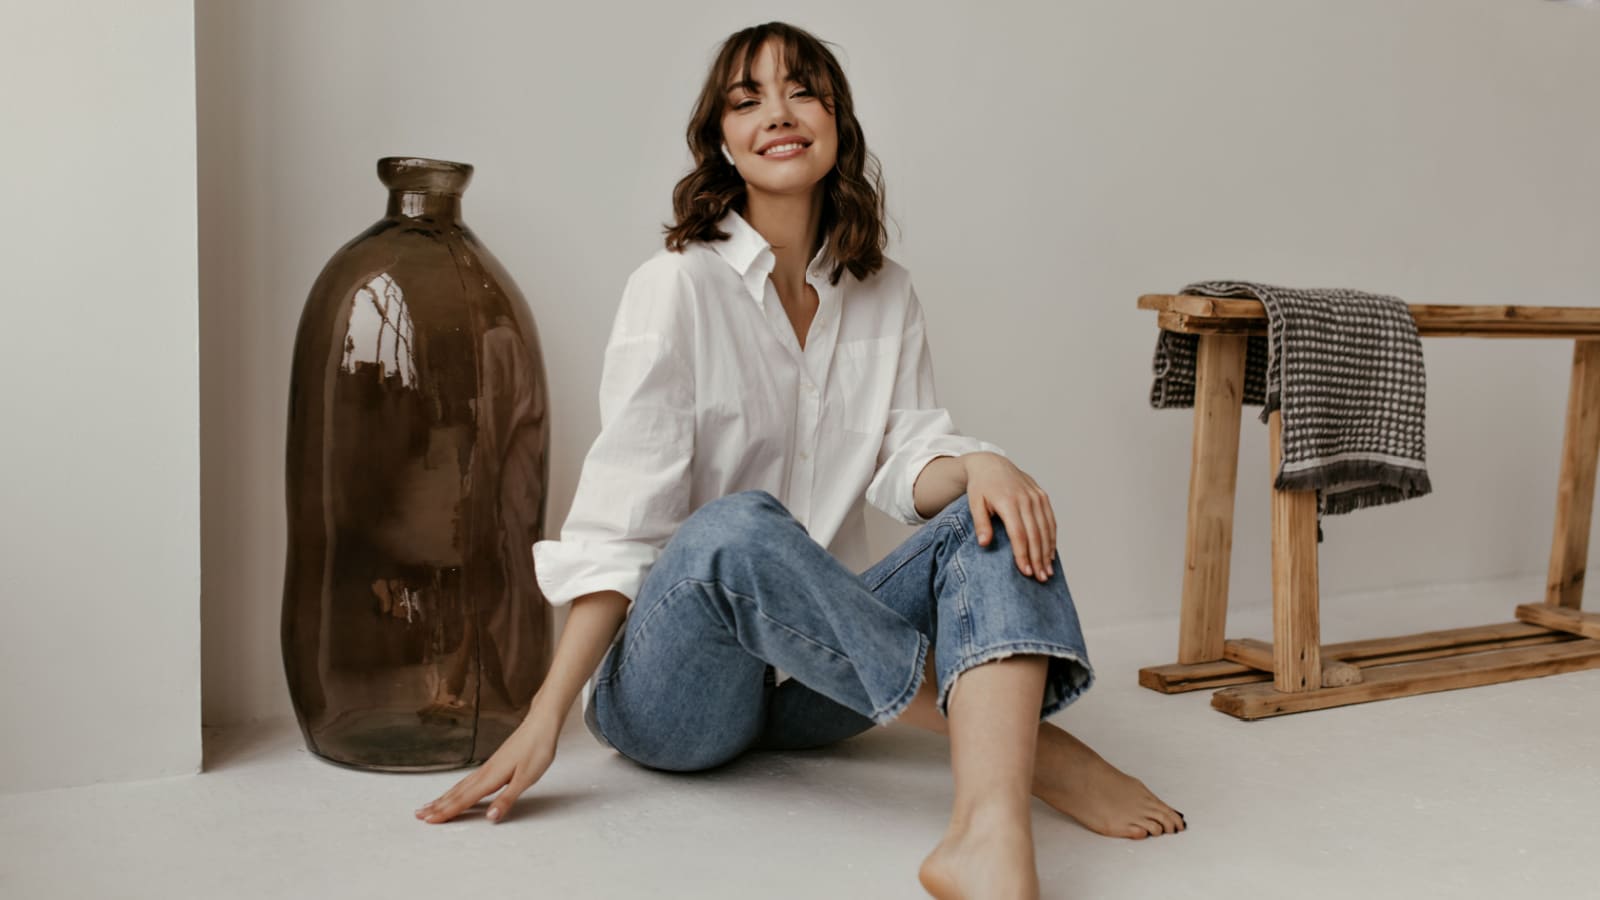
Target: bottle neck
{"x": 424, "y": 205}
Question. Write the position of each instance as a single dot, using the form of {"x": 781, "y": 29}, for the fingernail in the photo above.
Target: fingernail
{"x": 494, "y": 814}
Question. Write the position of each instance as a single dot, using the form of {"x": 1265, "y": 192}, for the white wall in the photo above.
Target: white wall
{"x": 1046, "y": 163}
{"x": 99, "y": 534}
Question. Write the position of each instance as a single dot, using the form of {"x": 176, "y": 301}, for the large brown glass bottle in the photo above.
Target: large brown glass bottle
{"x": 414, "y": 633}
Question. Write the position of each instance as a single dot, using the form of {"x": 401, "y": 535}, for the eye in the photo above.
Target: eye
{"x": 802, "y": 92}
{"x": 743, "y": 103}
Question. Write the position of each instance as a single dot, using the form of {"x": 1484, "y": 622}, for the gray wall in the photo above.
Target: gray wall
{"x": 100, "y": 491}
{"x": 1046, "y": 163}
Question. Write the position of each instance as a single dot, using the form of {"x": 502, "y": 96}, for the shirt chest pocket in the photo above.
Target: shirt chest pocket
{"x": 862, "y": 385}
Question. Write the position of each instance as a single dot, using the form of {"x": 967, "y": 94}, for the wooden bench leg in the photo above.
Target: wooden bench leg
{"x": 1213, "y": 471}
{"x": 1296, "y": 631}
{"x": 1569, "y": 550}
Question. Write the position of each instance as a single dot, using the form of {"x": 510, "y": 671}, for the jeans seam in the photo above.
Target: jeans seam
{"x": 623, "y": 660}
{"x": 760, "y": 612}
{"x": 894, "y": 708}
{"x": 951, "y": 521}
{"x": 639, "y": 632}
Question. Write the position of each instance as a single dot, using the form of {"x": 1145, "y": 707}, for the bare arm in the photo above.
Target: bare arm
{"x": 938, "y": 485}
{"x": 592, "y": 623}
{"x": 523, "y": 758}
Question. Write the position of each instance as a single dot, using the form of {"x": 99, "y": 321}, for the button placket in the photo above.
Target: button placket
{"x": 800, "y": 485}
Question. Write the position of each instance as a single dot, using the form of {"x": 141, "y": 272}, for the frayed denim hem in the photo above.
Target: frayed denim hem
{"x": 1057, "y": 695}
{"x": 893, "y": 710}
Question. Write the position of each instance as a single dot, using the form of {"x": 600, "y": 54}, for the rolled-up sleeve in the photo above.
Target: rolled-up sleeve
{"x": 919, "y": 429}
{"x": 634, "y": 488}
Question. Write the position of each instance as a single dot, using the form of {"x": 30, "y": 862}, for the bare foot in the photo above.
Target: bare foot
{"x": 990, "y": 856}
{"x": 1074, "y": 779}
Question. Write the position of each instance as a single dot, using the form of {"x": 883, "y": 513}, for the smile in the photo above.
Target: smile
{"x": 784, "y": 150}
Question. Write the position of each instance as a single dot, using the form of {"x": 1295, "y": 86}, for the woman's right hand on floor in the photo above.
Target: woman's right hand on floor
{"x": 520, "y": 761}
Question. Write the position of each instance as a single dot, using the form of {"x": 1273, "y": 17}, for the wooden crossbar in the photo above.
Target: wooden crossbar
{"x": 1211, "y": 315}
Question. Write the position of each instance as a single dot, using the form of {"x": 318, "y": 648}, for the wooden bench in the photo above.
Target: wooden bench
{"x": 1296, "y": 672}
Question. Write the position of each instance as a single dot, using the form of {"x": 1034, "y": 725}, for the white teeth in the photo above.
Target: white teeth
{"x": 782, "y": 148}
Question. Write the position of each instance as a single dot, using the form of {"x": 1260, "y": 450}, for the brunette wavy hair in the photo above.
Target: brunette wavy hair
{"x": 852, "y": 204}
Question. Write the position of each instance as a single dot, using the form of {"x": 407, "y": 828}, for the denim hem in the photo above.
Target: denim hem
{"x": 1012, "y": 648}
{"x": 898, "y": 706}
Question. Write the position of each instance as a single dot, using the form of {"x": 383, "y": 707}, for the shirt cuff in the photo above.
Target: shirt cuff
{"x": 569, "y": 569}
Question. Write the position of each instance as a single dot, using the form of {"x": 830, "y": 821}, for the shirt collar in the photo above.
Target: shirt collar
{"x": 751, "y": 256}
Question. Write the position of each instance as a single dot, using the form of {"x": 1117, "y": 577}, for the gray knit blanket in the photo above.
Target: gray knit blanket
{"x": 1345, "y": 368}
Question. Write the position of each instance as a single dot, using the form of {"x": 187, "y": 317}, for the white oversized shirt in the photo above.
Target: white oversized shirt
{"x": 706, "y": 391}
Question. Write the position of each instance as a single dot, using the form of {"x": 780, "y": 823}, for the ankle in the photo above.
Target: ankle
{"x": 990, "y": 814}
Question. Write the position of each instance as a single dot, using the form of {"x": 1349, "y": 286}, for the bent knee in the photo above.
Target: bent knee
{"x": 732, "y": 516}
{"x": 961, "y": 509}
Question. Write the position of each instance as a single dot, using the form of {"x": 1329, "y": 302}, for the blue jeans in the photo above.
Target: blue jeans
{"x": 741, "y": 587}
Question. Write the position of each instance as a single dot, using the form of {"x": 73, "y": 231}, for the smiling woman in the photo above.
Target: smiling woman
{"x": 768, "y": 375}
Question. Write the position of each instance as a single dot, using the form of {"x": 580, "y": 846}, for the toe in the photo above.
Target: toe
{"x": 1169, "y": 817}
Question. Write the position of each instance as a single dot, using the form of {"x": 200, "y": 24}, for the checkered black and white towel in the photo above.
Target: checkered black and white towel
{"x": 1346, "y": 369}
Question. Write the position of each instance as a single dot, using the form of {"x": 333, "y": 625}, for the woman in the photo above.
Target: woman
{"x": 771, "y": 350}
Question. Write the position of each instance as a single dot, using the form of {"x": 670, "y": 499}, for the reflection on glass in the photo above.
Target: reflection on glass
{"x": 380, "y": 331}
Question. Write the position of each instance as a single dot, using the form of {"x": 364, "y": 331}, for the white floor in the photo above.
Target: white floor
{"x": 1484, "y": 792}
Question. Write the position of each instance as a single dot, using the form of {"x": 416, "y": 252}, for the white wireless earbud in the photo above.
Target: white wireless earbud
{"x": 726, "y": 154}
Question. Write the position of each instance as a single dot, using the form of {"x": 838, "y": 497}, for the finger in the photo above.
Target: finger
{"x": 1047, "y": 542}
{"x": 981, "y": 515}
{"x": 1034, "y": 523}
{"x": 1050, "y": 520}
{"x": 1017, "y": 530}
{"x": 501, "y": 807}
{"x": 439, "y": 803}
{"x": 464, "y": 795}
{"x": 1012, "y": 513}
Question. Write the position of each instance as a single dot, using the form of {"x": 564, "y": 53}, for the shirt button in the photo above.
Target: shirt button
{"x": 804, "y": 455}
{"x": 811, "y": 388}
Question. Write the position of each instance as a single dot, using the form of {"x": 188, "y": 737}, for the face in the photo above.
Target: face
{"x": 782, "y": 137}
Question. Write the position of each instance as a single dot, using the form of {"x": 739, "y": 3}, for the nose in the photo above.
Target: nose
{"x": 780, "y": 115}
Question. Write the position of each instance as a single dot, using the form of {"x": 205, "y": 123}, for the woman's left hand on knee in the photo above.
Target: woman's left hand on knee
{"x": 995, "y": 486}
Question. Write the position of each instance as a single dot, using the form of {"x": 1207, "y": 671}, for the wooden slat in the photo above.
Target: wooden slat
{"x": 1296, "y": 633}
{"x": 1258, "y": 655}
{"x": 1213, "y": 471}
{"x": 1569, "y": 549}
{"x": 1571, "y": 621}
{"x": 1208, "y": 315}
{"x": 1177, "y": 678}
{"x": 1481, "y": 637}
{"x": 1386, "y": 682}
{"x": 1181, "y": 678}
{"x": 1406, "y": 648}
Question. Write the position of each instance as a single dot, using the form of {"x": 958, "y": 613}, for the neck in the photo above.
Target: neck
{"x": 789, "y": 223}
